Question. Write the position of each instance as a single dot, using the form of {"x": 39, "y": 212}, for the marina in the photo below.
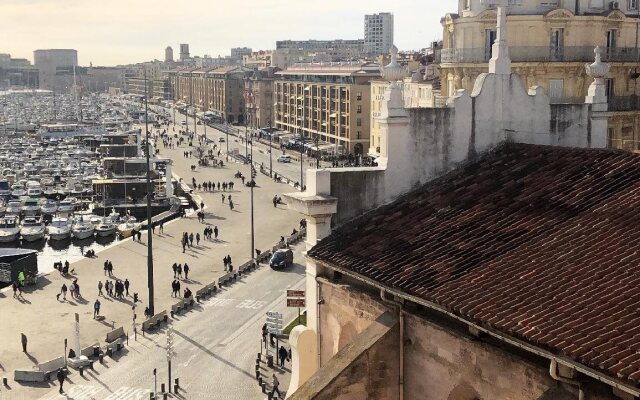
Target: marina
{"x": 72, "y": 174}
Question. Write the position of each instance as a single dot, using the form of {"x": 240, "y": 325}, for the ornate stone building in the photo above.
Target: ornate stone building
{"x": 550, "y": 42}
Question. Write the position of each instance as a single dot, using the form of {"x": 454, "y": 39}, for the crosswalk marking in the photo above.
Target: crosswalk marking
{"x": 85, "y": 392}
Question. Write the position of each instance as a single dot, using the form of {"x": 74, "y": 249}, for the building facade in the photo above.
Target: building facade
{"x": 157, "y": 83}
{"x": 219, "y": 90}
{"x": 549, "y": 45}
{"x": 49, "y": 61}
{"x": 184, "y": 52}
{"x": 17, "y": 73}
{"x": 337, "y": 50}
{"x": 168, "y": 54}
{"x": 258, "y": 92}
{"x": 328, "y": 102}
{"x": 378, "y": 33}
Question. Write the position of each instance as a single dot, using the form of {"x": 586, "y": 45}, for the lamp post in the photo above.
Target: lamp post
{"x": 149, "y": 230}
{"x": 246, "y": 143}
{"x": 155, "y": 384}
{"x": 253, "y": 183}
{"x": 270, "y": 150}
{"x": 170, "y": 352}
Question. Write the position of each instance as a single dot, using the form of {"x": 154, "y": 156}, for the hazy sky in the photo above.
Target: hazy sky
{"x": 109, "y": 32}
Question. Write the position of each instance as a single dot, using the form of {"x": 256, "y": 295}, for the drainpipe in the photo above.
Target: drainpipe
{"x": 318, "y": 337}
{"x": 553, "y": 371}
{"x": 398, "y": 306}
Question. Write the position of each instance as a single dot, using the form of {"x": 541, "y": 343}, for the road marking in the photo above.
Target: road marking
{"x": 75, "y": 392}
{"x": 129, "y": 393}
{"x": 217, "y": 302}
{"x": 252, "y": 304}
{"x": 186, "y": 364}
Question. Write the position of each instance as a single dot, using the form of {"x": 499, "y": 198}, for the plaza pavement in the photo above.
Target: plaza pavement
{"x": 47, "y": 322}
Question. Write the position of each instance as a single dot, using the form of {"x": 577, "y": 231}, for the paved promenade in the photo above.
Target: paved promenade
{"x": 47, "y": 321}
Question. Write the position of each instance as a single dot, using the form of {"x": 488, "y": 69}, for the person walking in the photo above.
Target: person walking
{"x": 106, "y": 267}
{"x": 186, "y": 271}
{"x": 283, "y": 354}
{"x": 177, "y": 288}
{"x": 23, "y": 339}
{"x": 179, "y": 271}
{"x": 96, "y": 308}
{"x": 14, "y": 286}
{"x": 276, "y": 385}
{"x": 126, "y": 286}
{"x": 202, "y": 205}
{"x": 60, "y": 378}
{"x": 198, "y": 239}
{"x": 63, "y": 289}
{"x": 191, "y": 240}
{"x": 215, "y": 232}
{"x": 100, "y": 288}
{"x": 161, "y": 228}
{"x": 175, "y": 270}
{"x": 230, "y": 204}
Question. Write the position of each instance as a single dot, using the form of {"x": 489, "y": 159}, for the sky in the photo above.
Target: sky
{"x": 111, "y": 32}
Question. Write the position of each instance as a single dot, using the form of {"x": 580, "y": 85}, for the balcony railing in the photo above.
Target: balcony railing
{"x": 624, "y": 103}
{"x": 539, "y": 54}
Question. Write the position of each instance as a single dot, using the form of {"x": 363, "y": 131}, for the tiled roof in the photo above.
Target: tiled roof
{"x": 541, "y": 243}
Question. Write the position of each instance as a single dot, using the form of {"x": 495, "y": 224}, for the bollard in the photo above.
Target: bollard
{"x": 151, "y": 396}
{"x": 101, "y": 358}
{"x": 176, "y": 381}
{"x": 162, "y": 388}
{"x": 270, "y": 361}
{"x": 81, "y": 369}
{"x": 264, "y": 387}
{"x": 259, "y": 381}
{"x": 5, "y": 382}
{"x": 175, "y": 389}
{"x": 259, "y": 356}
{"x": 270, "y": 396}
{"x": 257, "y": 374}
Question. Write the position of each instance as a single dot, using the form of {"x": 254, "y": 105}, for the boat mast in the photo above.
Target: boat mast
{"x": 75, "y": 93}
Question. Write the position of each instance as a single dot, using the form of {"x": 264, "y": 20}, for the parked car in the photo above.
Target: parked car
{"x": 282, "y": 258}
{"x": 284, "y": 159}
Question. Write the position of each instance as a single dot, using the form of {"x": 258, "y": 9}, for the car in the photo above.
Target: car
{"x": 284, "y": 159}
{"x": 221, "y": 140}
{"x": 282, "y": 258}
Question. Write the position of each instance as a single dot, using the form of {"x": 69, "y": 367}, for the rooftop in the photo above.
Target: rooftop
{"x": 538, "y": 242}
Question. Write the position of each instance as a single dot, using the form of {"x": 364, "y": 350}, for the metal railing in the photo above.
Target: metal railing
{"x": 624, "y": 103}
{"x": 539, "y": 54}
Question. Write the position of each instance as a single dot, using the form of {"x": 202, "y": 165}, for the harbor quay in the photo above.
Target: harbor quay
{"x": 47, "y": 319}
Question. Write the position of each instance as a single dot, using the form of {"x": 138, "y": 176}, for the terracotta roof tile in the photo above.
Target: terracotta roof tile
{"x": 542, "y": 243}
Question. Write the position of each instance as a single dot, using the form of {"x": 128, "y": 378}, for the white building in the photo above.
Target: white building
{"x": 378, "y": 33}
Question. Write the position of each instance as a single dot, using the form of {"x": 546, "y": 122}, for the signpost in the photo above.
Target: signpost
{"x": 274, "y": 326}
{"x": 295, "y": 298}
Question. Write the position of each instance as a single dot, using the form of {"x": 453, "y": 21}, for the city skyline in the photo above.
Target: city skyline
{"x": 121, "y": 32}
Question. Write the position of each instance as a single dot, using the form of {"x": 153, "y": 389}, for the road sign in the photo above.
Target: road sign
{"x": 295, "y": 302}
{"x": 274, "y": 314}
{"x": 295, "y": 293}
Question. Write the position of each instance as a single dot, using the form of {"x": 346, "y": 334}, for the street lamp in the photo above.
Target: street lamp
{"x": 253, "y": 183}
{"x": 246, "y": 143}
{"x": 149, "y": 229}
{"x": 171, "y": 354}
{"x": 270, "y": 150}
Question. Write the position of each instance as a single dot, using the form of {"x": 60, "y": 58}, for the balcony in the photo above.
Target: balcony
{"x": 538, "y": 54}
{"x": 624, "y": 103}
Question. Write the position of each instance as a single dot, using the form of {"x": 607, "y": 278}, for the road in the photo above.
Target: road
{"x": 216, "y": 346}
{"x": 260, "y": 151}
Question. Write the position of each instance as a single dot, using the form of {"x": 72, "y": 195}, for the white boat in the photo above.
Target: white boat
{"x": 126, "y": 228}
{"x": 9, "y": 229}
{"x": 49, "y": 207}
{"x": 31, "y": 207}
{"x": 67, "y": 205}
{"x": 14, "y": 207}
{"x": 82, "y": 229}
{"x": 59, "y": 229}
{"x": 18, "y": 190}
{"x": 32, "y": 229}
{"x": 106, "y": 227}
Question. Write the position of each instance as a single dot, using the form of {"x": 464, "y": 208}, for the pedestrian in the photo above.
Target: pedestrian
{"x": 283, "y": 353}
{"x": 173, "y": 288}
{"x": 177, "y": 288}
{"x": 202, "y": 205}
{"x": 96, "y": 308}
{"x": 106, "y": 267}
{"x": 161, "y": 230}
{"x": 126, "y": 286}
{"x": 175, "y": 270}
{"x": 264, "y": 334}
{"x": 230, "y": 204}
{"x": 186, "y": 271}
{"x": 191, "y": 239}
{"x": 60, "y": 377}
{"x": 198, "y": 239}
{"x": 218, "y": 186}
{"x": 275, "y": 388}
{"x": 100, "y": 288}
{"x": 222, "y": 198}
{"x": 110, "y": 268}
{"x": 215, "y": 232}
{"x": 14, "y": 286}
{"x": 63, "y": 289}
{"x": 23, "y": 339}
{"x": 180, "y": 271}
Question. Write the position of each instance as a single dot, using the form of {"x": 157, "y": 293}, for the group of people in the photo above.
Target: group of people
{"x": 118, "y": 289}
{"x": 108, "y": 268}
{"x": 62, "y": 268}
{"x": 178, "y": 269}
{"x": 209, "y": 186}
{"x": 209, "y": 232}
{"x": 187, "y": 240}
{"x": 74, "y": 291}
{"x": 227, "y": 263}
{"x": 175, "y": 289}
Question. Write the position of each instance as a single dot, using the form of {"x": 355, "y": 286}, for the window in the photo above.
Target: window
{"x": 633, "y": 4}
{"x": 596, "y": 4}
{"x": 358, "y": 134}
{"x": 490, "y": 37}
{"x": 610, "y": 88}
{"x": 466, "y": 4}
{"x": 359, "y": 109}
{"x": 359, "y": 122}
{"x": 359, "y": 96}
{"x": 611, "y": 38}
{"x": 556, "y": 89}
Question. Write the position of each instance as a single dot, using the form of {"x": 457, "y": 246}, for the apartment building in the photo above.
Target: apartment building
{"x": 550, "y": 42}
{"x": 17, "y": 73}
{"x": 48, "y": 61}
{"x": 258, "y": 93}
{"x": 337, "y": 50}
{"x": 378, "y": 33}
{"x": 157, "y": 80}
{"x": 328, "y": 102}
{"x": 220, "y": 90}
